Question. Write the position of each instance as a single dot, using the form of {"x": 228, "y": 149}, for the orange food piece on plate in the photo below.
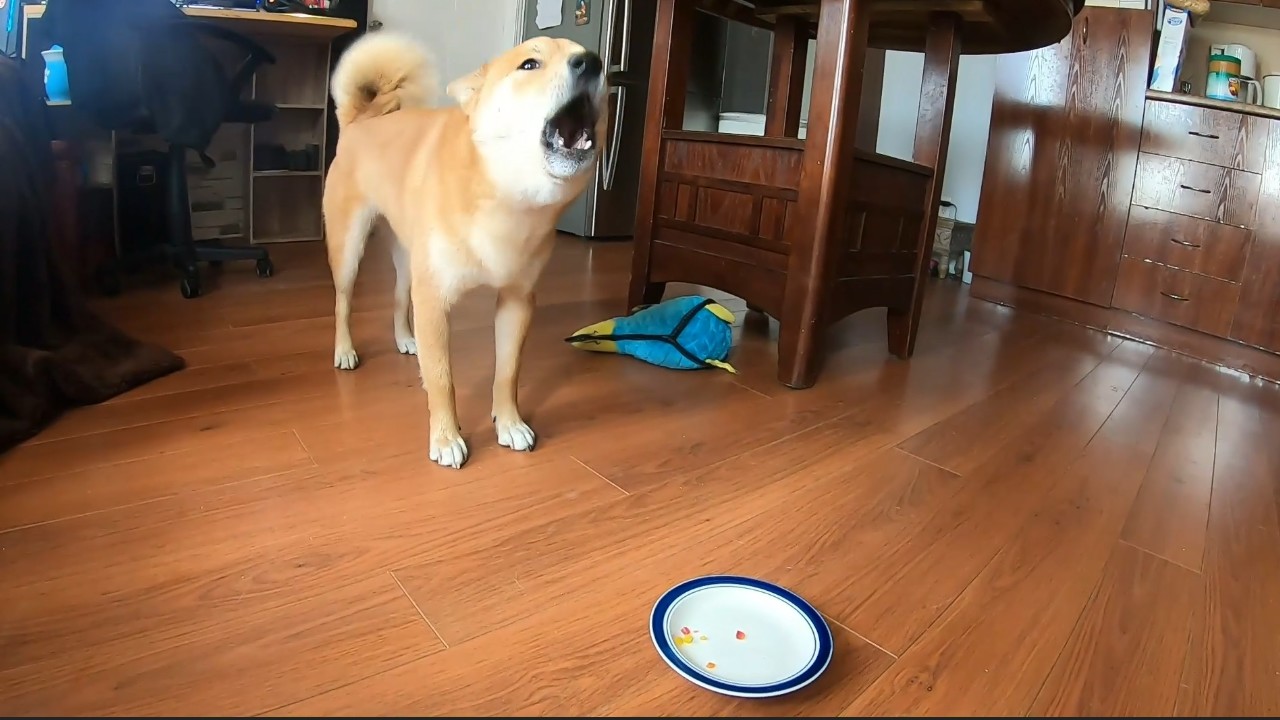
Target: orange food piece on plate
{"x": 740, "y": 635}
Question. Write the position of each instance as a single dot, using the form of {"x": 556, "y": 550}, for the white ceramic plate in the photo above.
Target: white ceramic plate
{"x": 740, "y": 636}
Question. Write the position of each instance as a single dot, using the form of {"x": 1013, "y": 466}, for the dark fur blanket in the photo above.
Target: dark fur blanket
{"x": 55, "y": 354}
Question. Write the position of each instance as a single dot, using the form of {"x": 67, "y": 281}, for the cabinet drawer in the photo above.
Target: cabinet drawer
{"x": 1197, "y": 189}
{"x": 1186, "y": 242}
{"x": 1176, "y": 296}
{"x": 1216, "y": 137}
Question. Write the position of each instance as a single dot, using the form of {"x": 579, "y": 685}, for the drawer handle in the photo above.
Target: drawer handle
{"x": 1196, "y": 189}
{"x": 1183, "y": 243}
{"x": 1206, "y": 136}
{"x": 1171, "y": 296}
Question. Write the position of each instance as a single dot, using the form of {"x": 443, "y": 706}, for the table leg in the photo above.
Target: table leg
{"x": 668, "y": 83}
{"x": 786, "y": 84}
{"x": 933, "y": 136}
{"x": 786, "y": 78}
{"x": 814, "y": 237}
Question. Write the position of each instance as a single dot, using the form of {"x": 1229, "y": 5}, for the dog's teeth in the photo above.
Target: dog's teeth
{"x": 582, "y": 143}
{"x": 558, "y": 139}
{"x": 586, "y": 145}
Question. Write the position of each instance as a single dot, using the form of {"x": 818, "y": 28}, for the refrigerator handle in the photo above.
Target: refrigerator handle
{"x": 615, "y": 138}
{"x": 606, "y": 39}
{"x": 624, "y": 57}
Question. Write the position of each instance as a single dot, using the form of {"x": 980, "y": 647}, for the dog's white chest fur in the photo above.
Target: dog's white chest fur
{"x": 494, "y": 254}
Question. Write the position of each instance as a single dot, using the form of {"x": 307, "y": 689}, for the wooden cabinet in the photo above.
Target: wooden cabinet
{"x": 1150, "y": 215}
{"x": 1184, "y": 298}
{"x": 1182, "y": 241}
{"x": 1197, "y": 189}
{"x": 1257, "y": 320}
{"x": 1206, "y": 135}
{"x": 1065, "y": 129}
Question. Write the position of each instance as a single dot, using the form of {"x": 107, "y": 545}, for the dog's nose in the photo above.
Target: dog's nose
{"x": 586, "y": 65}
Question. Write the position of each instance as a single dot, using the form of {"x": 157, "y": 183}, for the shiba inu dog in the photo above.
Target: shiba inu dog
{"x": 472, "y": 193}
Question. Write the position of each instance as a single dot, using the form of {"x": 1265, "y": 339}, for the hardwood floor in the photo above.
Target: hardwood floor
{"x": 1027, "y": 518}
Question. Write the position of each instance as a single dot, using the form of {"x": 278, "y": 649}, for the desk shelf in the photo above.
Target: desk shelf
{"x": 234, "y": 200}
{"x": 285, "y": 205}
{"x": 300, "y": 76}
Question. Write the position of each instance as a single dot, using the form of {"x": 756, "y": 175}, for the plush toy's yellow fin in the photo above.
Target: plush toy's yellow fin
{"x": 604, "y": 327}
{"x": 722, "y": 366}
{"x": 721, "y": 312}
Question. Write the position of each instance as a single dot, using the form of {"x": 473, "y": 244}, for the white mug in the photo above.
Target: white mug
{"x": 1271, "y": 91}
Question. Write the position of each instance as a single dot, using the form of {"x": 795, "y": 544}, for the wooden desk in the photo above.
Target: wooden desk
{"x": 812, "y": 231}
{"x": 236, "y": 200}
{"x": 248, "y": 22}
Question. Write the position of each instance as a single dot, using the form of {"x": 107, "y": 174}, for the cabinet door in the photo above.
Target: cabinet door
{"x": 1066, "y": 124}
{"x": 1257, "y": 318}
{"x": 1027, "y": 123}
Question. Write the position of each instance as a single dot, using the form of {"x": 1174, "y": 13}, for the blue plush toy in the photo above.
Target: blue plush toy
{"x": 684, "y": 333}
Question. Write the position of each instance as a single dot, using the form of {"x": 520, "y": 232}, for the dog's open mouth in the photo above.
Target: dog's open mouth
{"x": 573, "y": 127}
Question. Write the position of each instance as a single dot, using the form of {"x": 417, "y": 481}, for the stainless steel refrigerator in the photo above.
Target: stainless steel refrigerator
{"x": 621, "y": 31}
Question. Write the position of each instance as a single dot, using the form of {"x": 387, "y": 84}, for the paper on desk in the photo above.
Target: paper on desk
{"x": 550, "y": 14}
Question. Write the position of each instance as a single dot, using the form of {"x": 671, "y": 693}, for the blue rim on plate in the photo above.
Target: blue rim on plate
{"x": 812, "y": 670}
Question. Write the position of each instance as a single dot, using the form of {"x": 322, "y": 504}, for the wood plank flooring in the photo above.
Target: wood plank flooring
{"x": 1027, "y": 518}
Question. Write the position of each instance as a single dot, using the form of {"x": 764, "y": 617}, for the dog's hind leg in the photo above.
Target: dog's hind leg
{"x": 349, "y": 225}
{"x": 404, "y": 281}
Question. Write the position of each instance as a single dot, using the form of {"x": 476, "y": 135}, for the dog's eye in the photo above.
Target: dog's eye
{"x": 530, "y": 64}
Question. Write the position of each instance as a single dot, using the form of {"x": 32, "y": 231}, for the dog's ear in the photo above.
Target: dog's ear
{"x": 466, "y": 89}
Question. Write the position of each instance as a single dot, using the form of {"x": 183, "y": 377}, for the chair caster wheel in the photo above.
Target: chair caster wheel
{"x": 265, "y": 268}
{"x": 190, "y": 287}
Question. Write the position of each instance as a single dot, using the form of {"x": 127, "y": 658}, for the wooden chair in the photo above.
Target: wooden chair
{"x": 809, "y": 231}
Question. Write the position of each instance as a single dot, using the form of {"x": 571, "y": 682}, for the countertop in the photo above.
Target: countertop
{"x": 1198, "y": 101}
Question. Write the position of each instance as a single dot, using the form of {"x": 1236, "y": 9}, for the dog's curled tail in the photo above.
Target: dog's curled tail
{"x": 381, "y": 73}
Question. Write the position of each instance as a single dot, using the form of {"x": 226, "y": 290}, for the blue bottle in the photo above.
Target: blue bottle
{"x": 56, "y": 86}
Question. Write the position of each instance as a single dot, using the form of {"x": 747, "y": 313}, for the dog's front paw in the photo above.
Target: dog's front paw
{"x": 448, "y": 449}
{"x": 515, "y": 434}
{"x": 346, "y": 358}
{"x": 407, "y": 346}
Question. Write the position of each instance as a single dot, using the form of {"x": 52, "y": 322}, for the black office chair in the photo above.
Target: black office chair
{"x": 141, "y": 66}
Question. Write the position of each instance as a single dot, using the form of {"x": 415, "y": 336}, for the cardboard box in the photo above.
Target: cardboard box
{"x": 207, "y": 190}
{"x": 1171, "y": 50}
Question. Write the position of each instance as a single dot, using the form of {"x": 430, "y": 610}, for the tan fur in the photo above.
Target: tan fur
{"x": 391, "y": 72}
{"x": 468, "y": 195}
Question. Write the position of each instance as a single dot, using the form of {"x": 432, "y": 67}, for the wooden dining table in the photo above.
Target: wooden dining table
{"x": 810, "y": 231}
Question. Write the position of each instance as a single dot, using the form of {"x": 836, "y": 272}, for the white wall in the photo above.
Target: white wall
{"x": 463, "y": 34}
{"x": 970, "y": 125}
